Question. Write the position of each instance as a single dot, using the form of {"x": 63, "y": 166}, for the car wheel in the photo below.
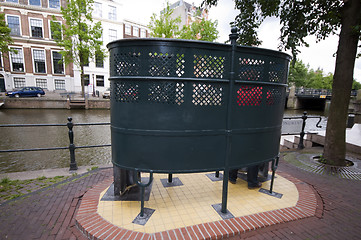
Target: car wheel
{"x": 17, "y": 95}
{"x": 38, "y": 95}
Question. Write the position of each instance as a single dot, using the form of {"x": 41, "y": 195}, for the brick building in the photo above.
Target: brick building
{"x": 37, "y": 57}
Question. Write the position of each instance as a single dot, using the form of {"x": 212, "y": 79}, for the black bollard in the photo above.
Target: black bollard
{"x": 73, "y": 165}
{"x": 302, "y": 134}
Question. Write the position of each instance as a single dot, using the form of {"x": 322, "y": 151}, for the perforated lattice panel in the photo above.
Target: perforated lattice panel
{"x": 249, "y": 96}
{"x": 166, "y": 64}
{"x": 127, "y": 64}
{"x": 125, "y": 92}
{"x": 274, "y": 97}
{"x": 250, "y": 69}
{"x": 207, "y": 95}
{"x": 208, "y": 66}
{"x": 168, "y": 92}
{"x": 277, "y": 72}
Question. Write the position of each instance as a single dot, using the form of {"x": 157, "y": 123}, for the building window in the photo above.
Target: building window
{"x": 112, "y": 13}
{"x": 54, "y": 4}
{"x": 86, "y": 79}
{"x": 59, "y": 84}
{"x": 112, "y": 35}
{"x": 36, "y": 26}
{"x": 57, "y": 27}
{"x": 43, "y": 83}
{"x": 135, "y": 31}
{"x": 99, "y": 60}
{"x": 100, "y": 81}
{"x": 35, "y": 2}
{"x": 14, "y": 25}
{"x": 1, "y": 62}
{"x": 98, "y": 10}
{"x": 13, "y": 1}
{"x": 58, "y": 66}
{"x": 39, "y": 61}
{"x": 143, "y": 33}
{"x": 19, "y": 82}
{"x": 128, "y": 29}
{"x": 17, "y": 60}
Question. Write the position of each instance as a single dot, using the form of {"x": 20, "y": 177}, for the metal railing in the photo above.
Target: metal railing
{"x": 318, "y": 92}
{"x": 72, "y": 147}
{"x": 302, "y": 133}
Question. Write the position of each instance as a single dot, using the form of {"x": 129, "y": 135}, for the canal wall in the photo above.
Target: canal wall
{"x": 29, "y": 103}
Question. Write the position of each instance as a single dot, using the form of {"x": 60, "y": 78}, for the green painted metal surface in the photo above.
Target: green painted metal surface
{"x": 173, "y": 108}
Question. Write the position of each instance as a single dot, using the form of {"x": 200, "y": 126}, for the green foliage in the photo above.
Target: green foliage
{"x": 298, "y": 19}
{"x": 302, "y": 76}
{"x": 164, "y": 26}
{"x": 204, "y": 30}
{"x": 5, "y": 180}
{"x": 356, "y": 85}
{"x": 80, "y": 36}
{"x": 5, "y": 38}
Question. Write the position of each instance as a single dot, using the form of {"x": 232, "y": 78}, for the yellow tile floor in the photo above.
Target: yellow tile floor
{"x": 191, "y": 203}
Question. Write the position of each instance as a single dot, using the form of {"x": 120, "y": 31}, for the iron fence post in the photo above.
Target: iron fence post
{"x": 233, "y": 38}
{"x": 302, "y": 134}
{"x": 73, "y": 165}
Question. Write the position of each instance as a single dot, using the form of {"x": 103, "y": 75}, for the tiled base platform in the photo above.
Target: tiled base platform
{"x": 186, "y": 212}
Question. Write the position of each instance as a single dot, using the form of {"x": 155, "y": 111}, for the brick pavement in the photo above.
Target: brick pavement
{"x": 49, "y": 214}
{"x": 340, "y": 217}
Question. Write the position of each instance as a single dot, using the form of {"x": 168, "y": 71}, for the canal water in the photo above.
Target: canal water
{"x": 43, "y": 137}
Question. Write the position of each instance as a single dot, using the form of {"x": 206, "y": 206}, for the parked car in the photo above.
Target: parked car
{"x": 106, "y": 94}
{"x": 26, "y": 92}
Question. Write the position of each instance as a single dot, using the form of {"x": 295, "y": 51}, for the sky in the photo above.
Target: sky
{"x": 318, "y": 55}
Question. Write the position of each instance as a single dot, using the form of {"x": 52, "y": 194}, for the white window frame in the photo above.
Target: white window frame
{"x": 128, "y": 29}
{"x": 96, "y": 80}
{"x": 61, "y": 23}
{"x": 135, "y": 31}
{"x": 42, "y": 27}
{"x": 53, "y": 7}
{"x": 52, "y": 63}
{"x": 1, "y": 62}
{"x": 112, "y": 13}
{"x": 22, "y": 55}
{"x": 36, "y": 5}
{"x": 32, "y": 53}
{"x": 98, "y": 10}
{"x": 42, "y": 79}
{"x": 143, "y": 33}
{"x": 62, "y": 80}
{"x": 11, "y": 15}
{"x": 24, "y": 82}
{"x": 116, "y": 35}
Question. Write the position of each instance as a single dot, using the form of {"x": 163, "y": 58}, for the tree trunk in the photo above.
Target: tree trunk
{"x": 82, "y": 79}
{"x": 335, "y": 143}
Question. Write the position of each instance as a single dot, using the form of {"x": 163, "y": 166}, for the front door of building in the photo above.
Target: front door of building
{"x": 2, "y": 83}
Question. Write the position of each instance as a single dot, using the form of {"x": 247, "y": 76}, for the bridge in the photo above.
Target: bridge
{"x": 309, "y": 98}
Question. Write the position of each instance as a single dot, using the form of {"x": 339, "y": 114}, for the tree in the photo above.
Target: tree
{"x": 80, "y": 36}
{"x": 320, "y": 18}
{"x": 356, "y": 85}
{"x": 164, "y": 26}
{"x": 5, "y": 38}
{"x": 167, "y": 27}
{"x": 302, "y": 76}
{"x": 298, "y": 74}
{"x": 204, "y": 30}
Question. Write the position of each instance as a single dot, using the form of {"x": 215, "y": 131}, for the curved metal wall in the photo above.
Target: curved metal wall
{"x": 171, "y": 101}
